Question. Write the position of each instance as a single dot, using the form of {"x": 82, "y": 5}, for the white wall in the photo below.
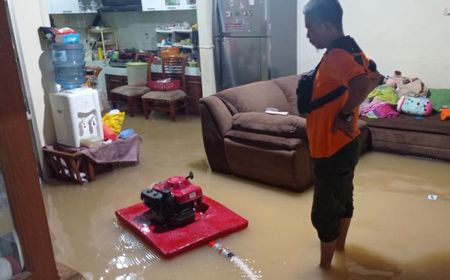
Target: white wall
{"x": 410, "y": 36}
{"x": 35, "y": 64}
{"x": 204, "y": 17}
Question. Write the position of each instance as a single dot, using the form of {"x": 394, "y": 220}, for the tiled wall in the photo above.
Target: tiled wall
{"x": 134, "y": 29}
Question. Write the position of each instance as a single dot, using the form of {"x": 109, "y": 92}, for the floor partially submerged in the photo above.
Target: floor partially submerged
{"x": 399, "y": 231}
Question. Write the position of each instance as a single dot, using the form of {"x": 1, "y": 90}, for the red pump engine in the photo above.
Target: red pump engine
{"x": 173, "y": 202}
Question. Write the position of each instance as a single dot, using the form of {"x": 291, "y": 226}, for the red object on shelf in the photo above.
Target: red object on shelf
{"x": 217, "y": 221}
{"x": 164, "y": 85}
{"x": 108, "y": 133}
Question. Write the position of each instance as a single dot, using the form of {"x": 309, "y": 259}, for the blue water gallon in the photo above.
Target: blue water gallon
{"x": 68, "y": 61}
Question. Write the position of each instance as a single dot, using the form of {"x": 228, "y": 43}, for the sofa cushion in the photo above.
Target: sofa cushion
{"x": 255, "y": 97}
{"x": 288, "y": 85}
{"x": 277, "y": 125}
{"x": 414, "y": 143}
{"x": 431, "y": 124}
{"x": 228, "y": 104}
{"x": 263, "y": 140}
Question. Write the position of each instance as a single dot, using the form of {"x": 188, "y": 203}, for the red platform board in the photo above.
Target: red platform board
{"x": 216, "y": 222}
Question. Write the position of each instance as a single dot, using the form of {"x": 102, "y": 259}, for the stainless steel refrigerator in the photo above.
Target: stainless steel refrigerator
{"x": 254, "y": 40}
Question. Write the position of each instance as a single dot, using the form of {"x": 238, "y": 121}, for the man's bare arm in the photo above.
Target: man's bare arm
{"x": 359, "y": 88}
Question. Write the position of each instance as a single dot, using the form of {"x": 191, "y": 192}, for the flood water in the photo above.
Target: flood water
{"x": 400, "y": 228}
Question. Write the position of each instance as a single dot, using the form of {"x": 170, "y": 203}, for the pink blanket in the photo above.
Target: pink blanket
{"x": 378, "y": 109}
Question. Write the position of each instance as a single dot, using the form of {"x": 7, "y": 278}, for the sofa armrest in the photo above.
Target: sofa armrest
{"x": 216, "y": 122}
{"x": 289, "y": 126}
{"x": 219, "y": 112}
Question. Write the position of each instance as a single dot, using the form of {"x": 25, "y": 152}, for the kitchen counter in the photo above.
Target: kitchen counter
{"x": 111, "y": 77}
{"x": 122, "y": 71}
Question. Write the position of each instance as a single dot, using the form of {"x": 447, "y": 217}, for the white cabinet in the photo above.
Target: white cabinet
{"x": 73, "y": 6}
{"x": 190, "y": 4}
{"x": 89, "y": 6}
{"x": 171, "y": 4}
{"x": 178, "y": 4}
{"x": 63, "y": 7}
{"x": 151, "y": 5}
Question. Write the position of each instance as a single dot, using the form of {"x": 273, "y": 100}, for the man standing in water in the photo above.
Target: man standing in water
{"x": 332, "y": 128}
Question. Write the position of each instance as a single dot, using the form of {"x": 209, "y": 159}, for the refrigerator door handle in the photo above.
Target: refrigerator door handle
{"x": 217, "y": 30}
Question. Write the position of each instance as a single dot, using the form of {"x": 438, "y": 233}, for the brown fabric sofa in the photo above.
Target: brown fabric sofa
{"x": 410, "y": 135}
{"x": 241, "y": 139}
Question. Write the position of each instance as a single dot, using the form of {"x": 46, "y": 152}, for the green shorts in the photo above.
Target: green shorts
{"x": 333, "y": 190}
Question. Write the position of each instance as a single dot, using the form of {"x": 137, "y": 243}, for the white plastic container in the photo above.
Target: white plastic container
{"x": 137, "y": 73}
{"x": 76, "y": 116}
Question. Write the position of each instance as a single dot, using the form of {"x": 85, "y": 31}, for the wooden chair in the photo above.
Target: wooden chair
{"x": 168, "y": 101}
{"x": 130, "y": 94}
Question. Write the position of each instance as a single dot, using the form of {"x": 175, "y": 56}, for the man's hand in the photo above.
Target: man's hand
{"x": 374, "y": 78}
{"x": 343, "y": 125}
{"x": 358, "y": 89}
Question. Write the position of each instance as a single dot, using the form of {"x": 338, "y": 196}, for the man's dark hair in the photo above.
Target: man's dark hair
{"x": 321, "y": 11}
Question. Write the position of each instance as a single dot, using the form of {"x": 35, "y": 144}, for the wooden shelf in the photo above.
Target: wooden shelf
{"x": 163, "y": 46}
{"x": 183, "y": 30}
{"x": 104, "y": 37}
{"x": 182, "y": 46}
{"x": 100, "y": 30}
{"x": 168, "y": 31}
{"x": 177, "y": 35}
{"x": 108, "y": 42}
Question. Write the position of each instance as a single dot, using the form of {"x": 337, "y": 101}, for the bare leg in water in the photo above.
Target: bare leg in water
{"x": 344, "y": 225}
{"x": 326, "y": 253}
{"x": 327, "y": 248}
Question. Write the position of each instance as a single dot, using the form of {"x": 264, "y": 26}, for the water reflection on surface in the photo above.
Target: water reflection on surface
{"x": 132, "y": 256}
{"x": 396, "y": 233}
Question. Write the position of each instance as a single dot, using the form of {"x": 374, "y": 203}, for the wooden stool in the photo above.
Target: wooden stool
{"x": 69, "y": 165}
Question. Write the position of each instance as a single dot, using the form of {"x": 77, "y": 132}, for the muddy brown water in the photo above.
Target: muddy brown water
{"x": 398, "y": 231}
